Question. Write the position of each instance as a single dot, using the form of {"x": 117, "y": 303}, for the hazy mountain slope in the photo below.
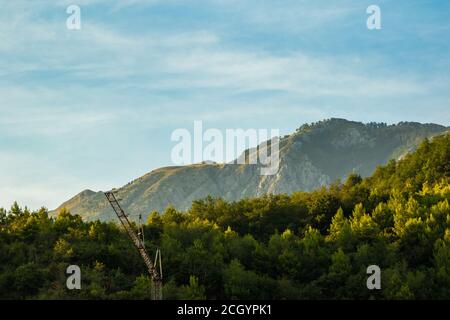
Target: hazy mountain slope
{"x": 313, "y": 156}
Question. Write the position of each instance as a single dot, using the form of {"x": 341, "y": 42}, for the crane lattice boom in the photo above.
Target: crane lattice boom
{"x": 151, "y": 267}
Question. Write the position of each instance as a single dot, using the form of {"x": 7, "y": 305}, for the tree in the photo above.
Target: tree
{"x": 341, "y": 231}
{"x": 193, "y": 291}
{"x": 241, "y": 284}
{"x": 142, "y": 288}
{"x": 3, "y": 218}
{"x": 16, "y": 210}
{"x": 28, "y": 279}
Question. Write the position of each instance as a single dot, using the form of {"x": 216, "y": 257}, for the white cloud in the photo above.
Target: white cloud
{"x": 192, "y": 59}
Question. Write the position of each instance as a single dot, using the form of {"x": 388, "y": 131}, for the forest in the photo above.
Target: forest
{"x": 306, "y": 245}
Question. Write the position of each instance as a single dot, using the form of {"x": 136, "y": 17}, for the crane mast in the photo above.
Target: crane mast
{"x": 139, "y": 244}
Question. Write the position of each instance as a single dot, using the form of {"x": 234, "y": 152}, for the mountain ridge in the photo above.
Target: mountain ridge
{"x": 313, "y": 156}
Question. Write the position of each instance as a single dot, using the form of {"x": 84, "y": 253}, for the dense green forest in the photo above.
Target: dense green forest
{"x": 313, "y": 245}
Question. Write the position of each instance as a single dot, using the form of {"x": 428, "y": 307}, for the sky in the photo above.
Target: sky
{"x": 95, "y": 108}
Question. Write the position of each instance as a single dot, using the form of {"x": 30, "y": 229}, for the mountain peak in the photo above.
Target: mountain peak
{"x": 314, "y": 156}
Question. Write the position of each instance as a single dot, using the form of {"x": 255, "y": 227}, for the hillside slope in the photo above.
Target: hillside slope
{"x": 313, "y": 156}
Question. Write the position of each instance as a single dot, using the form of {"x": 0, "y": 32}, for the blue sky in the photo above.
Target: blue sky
{"x": 94, "y": 108}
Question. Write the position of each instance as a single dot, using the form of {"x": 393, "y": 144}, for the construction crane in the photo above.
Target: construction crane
{"x": 139, "y": 244}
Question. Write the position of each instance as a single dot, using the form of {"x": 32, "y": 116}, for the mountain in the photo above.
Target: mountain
{"x": 313, "y": 156}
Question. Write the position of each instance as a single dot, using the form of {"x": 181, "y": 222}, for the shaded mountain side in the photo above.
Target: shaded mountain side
{"x": 314, "y": 156}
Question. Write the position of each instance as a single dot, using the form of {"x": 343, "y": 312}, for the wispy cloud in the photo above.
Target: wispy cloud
{"x": 192, "y": 60}
{"x": 138, "y": 69}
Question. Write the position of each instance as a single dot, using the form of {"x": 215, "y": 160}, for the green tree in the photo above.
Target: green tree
{"x": 193, "y": 291}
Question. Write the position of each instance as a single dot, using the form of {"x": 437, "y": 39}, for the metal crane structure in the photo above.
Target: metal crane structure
{"x": 155, "y": 275}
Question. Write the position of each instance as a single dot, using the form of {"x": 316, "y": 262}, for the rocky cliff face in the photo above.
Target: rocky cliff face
{"x": 313, "y": 156}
